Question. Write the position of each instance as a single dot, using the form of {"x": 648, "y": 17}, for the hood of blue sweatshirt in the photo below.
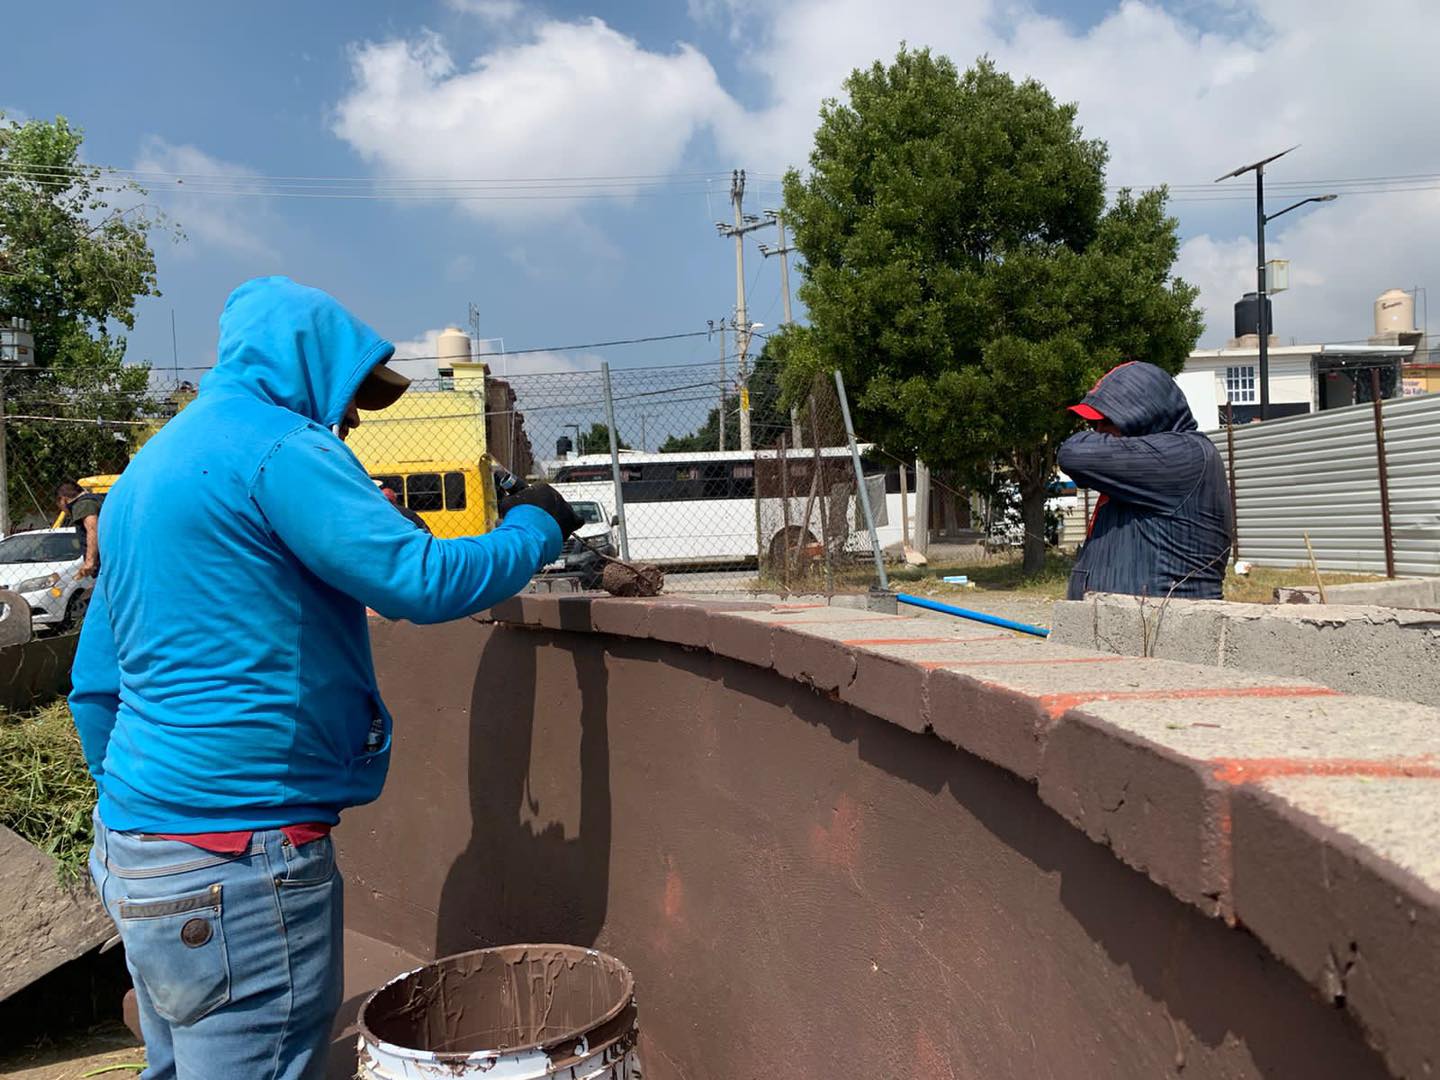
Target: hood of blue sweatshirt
{"x": 1141, "y": 399}
{"x": 293, "y": 346}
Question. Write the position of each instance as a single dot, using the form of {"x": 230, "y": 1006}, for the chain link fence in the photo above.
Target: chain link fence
{"x": 711, "y": 474}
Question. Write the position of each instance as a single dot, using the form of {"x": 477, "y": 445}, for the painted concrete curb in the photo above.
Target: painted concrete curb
{"x": 1180, "y": 769}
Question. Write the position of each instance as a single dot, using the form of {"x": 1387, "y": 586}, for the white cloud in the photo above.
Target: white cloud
{"x": 1181, "y": 93}
{"x": 213, "y": 215}
{"x": 575, "y": 99}
{"x": 1180, "y": 97}
{"x": 497, "y": 11}
{"x": 1342, "y": 257}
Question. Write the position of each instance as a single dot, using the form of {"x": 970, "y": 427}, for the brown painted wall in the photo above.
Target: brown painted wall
{"x": 801, "y": 890}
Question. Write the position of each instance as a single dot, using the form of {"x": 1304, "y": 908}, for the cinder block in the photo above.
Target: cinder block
{"x": 1001, "y": 726}
{"x": 1340, "y": 877}
{"x": 740, "y": 637}
{"x": 509, "y": 611}
{"x": 624, "y": 617}
{"x": 562, "y": 612}
{"x": 887, "y": 687}
{"x": 1173, "y": 757}
{"x": 1187, "y": 631}
{"x": 1159, "y": 811}
{"x": 680, "y": 624}
{"x": 819, "y": 662}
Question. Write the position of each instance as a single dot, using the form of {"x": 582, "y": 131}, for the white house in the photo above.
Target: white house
{"x": 1303, "y": 378}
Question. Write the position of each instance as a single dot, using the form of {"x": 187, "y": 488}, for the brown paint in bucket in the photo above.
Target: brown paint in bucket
{"x": 559, "y": 1005}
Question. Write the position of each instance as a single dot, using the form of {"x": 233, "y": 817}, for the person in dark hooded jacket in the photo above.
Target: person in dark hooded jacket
{"x": 1162, "y": 525}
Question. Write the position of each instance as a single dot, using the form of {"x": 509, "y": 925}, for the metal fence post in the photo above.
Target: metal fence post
{"x": 615, "y": 460}
{"x": 1382, "y": 468}
{"x": 785, "y": 507}
{"x": 4, "y": 467}
{"x": 1234, "y": 511}
{"x": 860, "y": 482}
{"x": 821, "y": 490}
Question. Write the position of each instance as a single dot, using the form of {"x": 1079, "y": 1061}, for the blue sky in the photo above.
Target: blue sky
{"x": 496, "y": 89}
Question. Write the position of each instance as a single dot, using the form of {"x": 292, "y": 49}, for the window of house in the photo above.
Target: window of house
{"x": 1240, "y": 385}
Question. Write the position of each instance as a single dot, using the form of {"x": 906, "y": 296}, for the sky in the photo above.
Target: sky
{"x": 436, "y": 118}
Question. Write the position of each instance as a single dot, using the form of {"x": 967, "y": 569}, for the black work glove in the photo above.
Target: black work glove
{"x": 551, "y": 501}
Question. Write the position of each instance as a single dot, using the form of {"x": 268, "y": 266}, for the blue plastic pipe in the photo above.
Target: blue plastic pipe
{"x": 966, "y": 613}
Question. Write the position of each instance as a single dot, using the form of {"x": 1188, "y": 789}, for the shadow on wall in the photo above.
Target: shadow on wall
{"x": 523, "y": 877}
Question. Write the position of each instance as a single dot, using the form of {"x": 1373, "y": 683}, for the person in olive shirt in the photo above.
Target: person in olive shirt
{"x": 82, "y": 510}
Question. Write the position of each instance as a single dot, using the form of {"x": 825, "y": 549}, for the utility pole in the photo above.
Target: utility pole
{"x": 783, "y": 249}
{"x": 721, "y": 414}
{"x": 742, "y": 225}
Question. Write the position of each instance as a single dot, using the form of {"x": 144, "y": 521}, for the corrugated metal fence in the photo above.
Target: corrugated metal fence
{"x": 1319, "y": 474}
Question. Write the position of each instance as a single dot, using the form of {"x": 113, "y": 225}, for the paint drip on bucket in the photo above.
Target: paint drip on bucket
{"x": 517, "y": 1012}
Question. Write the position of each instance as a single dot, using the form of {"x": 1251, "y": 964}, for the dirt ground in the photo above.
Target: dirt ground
{"x": 98, "y": 1049}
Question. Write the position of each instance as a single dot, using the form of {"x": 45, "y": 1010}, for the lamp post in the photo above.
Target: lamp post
{"x": 1258, "y": 168}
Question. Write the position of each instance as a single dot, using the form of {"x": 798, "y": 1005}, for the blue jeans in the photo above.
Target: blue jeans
{"x": 236, "y": 959}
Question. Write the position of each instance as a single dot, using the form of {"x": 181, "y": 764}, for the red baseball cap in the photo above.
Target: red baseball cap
{"x": 1089, "y": 412}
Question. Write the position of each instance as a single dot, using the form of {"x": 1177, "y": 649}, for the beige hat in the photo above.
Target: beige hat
{"x": 381, "y": 388}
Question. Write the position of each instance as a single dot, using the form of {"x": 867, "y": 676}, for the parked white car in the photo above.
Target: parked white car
{"x": 580, "y": 557}
{"x": 43, "y": 567}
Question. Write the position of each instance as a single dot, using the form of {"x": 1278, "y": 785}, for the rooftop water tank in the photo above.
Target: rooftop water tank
{"x": 453, "y": 347}
{"x": 1247, "y": 315}
{"x": 1395, "y": 312}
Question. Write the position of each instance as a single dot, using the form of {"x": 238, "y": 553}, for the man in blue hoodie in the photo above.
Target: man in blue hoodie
{"x": 224, "y": 690}
{"x": 1162, "y": 525}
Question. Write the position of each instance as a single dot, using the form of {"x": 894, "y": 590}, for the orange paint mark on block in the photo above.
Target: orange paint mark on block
{"x": 838, "y": 844}
{"x": 932, "y": 664}
{"x": 1249, "y": 770}
{"x": 854, "y": 616}
{"x": 1058, "y": 704}
{"x": 923, "y": 640}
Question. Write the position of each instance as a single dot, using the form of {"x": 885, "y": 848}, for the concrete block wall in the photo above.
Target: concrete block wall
{"x": 856, "y": 842}
{"x": 1378, "y": 651}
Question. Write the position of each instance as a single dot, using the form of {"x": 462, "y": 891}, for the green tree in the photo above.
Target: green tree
{"x": 597, "y": 440}
{"x": 768, "y": 418}
{"x": 962, "y": 270}
{"x": 74, "y": 264}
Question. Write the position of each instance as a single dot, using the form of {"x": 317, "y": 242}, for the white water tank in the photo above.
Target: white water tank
{"x": 453, "y": 347}
{"x": 1395, "y": 312}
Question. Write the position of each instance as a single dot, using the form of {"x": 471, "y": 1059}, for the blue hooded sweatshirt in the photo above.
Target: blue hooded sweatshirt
{"x": 223, "y": 679}
{"x": 1163, "y": 528}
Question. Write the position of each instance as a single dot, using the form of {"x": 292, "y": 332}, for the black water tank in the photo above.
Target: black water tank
{"x": 1247, "y": 315}
{"x": 563, "y": 446}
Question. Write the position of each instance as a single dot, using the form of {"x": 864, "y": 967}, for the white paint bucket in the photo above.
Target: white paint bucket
{"x": 517, "y": 1012}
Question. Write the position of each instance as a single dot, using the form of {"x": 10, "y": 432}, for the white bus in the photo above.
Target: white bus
{"x": 700, "y": 509}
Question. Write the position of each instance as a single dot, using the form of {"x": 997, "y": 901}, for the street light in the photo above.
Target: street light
{"x": 1258, "y": 168}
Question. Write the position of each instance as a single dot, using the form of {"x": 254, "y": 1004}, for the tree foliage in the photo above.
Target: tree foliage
{"x": 75, "y": 257}
{"x": 963, "y": 271}
{"x": 597, "y": 440}
{"x": 768, "y": 417}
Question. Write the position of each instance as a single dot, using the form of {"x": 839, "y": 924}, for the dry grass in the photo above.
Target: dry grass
{"x": 1258, "y": 586}
{"x": 1002, "y": 573}
{"x": 46, "y": 793}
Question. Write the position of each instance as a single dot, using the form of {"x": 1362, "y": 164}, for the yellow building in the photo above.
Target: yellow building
{"x": 429, "y": 448}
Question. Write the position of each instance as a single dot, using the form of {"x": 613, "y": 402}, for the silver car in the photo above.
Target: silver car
{"x": 43, "y": 566}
